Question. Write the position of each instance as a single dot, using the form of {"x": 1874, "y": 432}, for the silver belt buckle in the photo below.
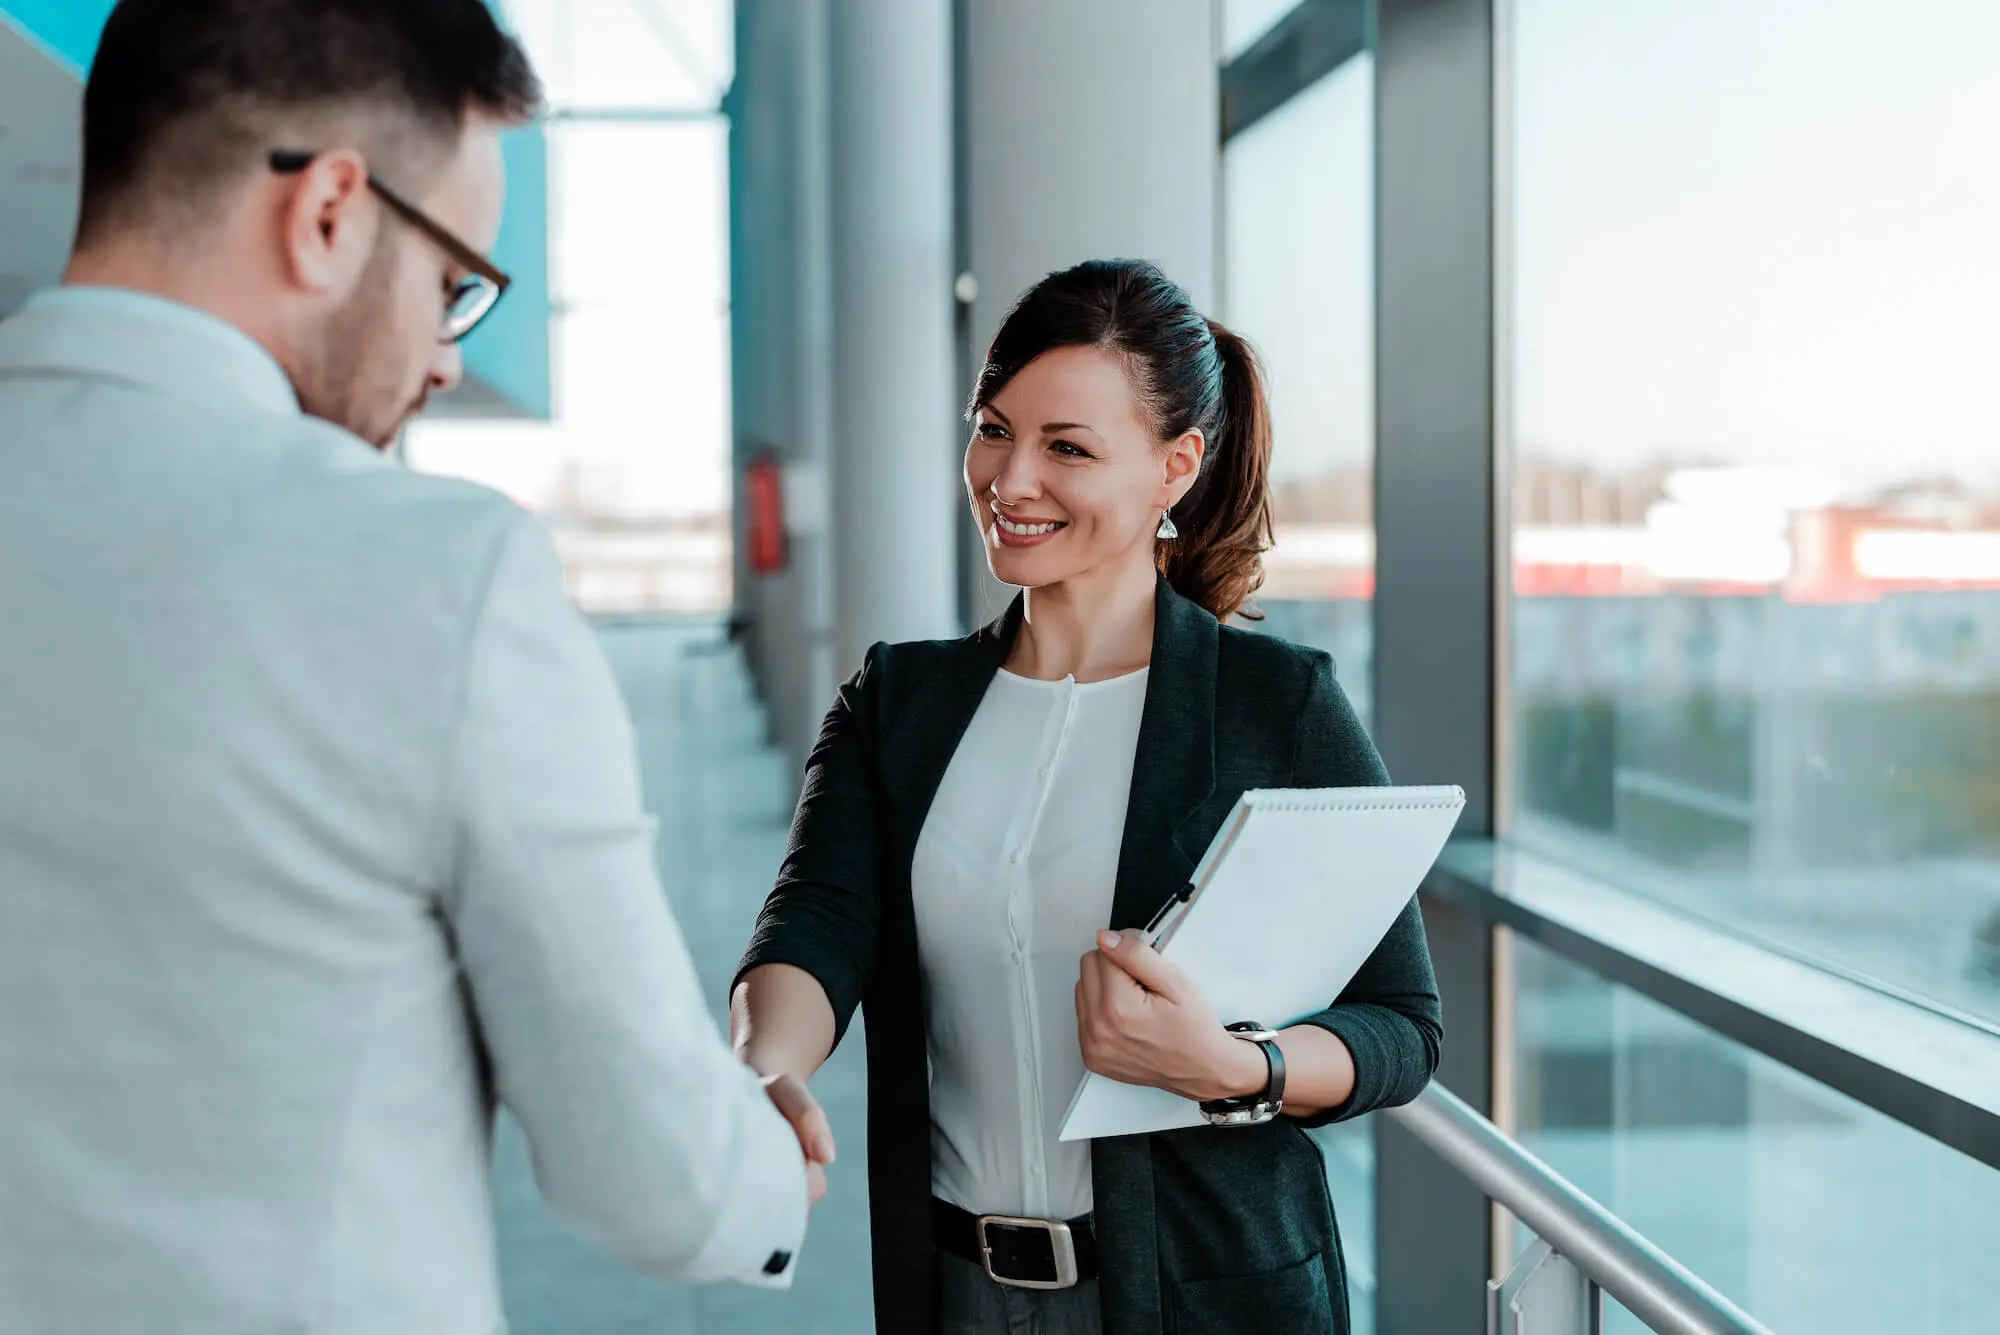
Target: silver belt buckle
{"x": 1061, "y": 1244}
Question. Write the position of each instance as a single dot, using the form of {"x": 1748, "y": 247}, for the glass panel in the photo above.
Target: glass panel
{"x": 1756, "y": 621}
{"x": 1298, "y": 282}
{"x": 1809, "y": 1210}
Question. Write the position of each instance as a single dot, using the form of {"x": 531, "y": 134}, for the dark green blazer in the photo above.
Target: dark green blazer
{"x": 1202, "y": 1232}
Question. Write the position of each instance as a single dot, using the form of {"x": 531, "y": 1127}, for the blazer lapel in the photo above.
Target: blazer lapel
{"x": 938, "y": 710}
{"x": 1173, "y": 772}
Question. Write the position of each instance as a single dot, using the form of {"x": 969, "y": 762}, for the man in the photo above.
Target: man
{"x": 319, "y": 825}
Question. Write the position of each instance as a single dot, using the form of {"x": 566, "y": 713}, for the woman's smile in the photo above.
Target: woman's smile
{"x": 1025, "y": 531}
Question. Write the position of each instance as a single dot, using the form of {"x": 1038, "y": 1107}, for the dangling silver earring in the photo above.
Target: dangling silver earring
{"x": 1167, "y": 530}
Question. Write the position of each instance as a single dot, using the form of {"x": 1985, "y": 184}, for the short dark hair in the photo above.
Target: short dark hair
{"x": 1189, "y": 374}
{"x": 184, "y": 95}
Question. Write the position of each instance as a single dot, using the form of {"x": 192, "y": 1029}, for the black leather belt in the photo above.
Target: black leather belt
{"x": 1020, "y": 1253}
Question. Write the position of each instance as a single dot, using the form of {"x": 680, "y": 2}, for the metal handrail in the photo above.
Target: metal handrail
{"x": 1654, "y": 1287}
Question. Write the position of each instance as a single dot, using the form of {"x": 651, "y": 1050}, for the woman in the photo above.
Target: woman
{"x": 976, "y": 811}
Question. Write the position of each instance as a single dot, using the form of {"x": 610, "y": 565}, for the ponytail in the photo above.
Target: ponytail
{"x": 1225, "y": 521}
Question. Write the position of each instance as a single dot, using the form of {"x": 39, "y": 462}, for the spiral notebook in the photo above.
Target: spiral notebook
{"x": 1296, "y": 890}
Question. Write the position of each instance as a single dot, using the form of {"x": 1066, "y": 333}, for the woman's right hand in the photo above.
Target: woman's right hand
{"x": 781, "y": 1025}
{"x": 790, "y": 1096}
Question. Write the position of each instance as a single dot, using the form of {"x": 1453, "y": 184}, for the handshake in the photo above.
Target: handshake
{"x": 789, "y": 1095}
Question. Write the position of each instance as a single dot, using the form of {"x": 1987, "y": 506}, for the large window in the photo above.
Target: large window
{"x": 1756, "y": 471}
{"x": 1298, "y": 282}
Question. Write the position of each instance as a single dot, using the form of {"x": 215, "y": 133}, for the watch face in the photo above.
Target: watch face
{"x": 1255, "y": 1115}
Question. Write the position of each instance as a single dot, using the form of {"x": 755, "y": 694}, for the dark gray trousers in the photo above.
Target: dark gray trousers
{"x": 971, "y": 1304}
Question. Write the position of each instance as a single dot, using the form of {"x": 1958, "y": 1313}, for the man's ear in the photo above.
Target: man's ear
{"x": 328, "y": 221}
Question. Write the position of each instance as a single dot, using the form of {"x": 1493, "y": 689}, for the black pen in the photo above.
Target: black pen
{"x": 1163, "y": 923}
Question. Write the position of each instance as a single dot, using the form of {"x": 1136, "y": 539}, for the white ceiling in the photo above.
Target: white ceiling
{"x": 41, "y": 126}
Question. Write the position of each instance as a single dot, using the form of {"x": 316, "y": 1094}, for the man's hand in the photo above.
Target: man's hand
{"x": 790, "y": 1096}
{"x": 1141, "y": 1020}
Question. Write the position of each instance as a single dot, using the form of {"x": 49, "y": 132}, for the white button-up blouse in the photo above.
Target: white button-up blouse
{"x": 1013, "y": 877}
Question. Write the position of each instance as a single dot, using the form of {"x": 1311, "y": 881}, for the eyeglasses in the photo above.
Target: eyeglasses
{"x": 472, "y": 299}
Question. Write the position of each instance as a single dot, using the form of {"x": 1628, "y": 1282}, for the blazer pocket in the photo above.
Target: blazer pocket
{"x": 1293, "y": 1300}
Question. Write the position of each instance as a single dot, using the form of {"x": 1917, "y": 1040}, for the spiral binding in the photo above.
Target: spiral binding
{"x": 1351, "y": 799}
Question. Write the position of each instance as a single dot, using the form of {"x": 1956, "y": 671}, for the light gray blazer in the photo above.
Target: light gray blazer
{"x": 320, "y": 831}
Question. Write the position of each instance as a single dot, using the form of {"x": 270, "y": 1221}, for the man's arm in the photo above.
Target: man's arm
{"x": 646, "y": 1133}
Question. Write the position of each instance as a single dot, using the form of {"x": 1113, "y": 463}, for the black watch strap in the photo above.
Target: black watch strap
{"x": 1274, "y": 1092}
{"x": 1263, "y": 1105}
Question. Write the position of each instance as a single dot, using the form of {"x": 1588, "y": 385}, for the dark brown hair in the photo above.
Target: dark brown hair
{"x": 1190, "y": 374}
{"x": 184, "y": 95}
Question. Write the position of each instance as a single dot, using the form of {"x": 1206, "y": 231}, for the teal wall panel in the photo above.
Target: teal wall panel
{"x": 510, "y": 352}
{"x": 68, "y": 28}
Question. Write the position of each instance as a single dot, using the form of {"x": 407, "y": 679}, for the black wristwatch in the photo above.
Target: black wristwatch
{"x": 1253, "y": 1109}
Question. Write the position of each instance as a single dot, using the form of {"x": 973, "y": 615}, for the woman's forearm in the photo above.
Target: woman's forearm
{"x": 1319, "y": 1070}
{"x": 781, "y": 1022}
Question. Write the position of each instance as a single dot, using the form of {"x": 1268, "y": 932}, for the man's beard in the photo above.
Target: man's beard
{"x": 351, "y": 378}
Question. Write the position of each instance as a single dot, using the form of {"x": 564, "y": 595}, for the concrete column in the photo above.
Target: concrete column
{"x": 758, "y": 323}
{"x": 740, "y": 592}
{"x": 895, "y": 462}
{"x": 809, "y": 113}
{"x": 1091, "y": 132}
{"x": 781, "y": 270}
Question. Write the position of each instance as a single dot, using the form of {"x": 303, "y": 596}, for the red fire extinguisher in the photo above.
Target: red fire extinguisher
{"x": 764, "y": 487}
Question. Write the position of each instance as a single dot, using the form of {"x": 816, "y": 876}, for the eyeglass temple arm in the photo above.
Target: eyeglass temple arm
{"x": 287, "y": 163}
